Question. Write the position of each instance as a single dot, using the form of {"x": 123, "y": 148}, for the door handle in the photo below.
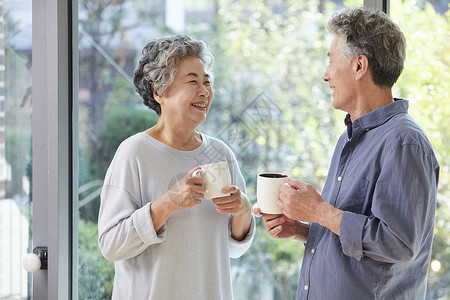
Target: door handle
{"x": 37, "y": 260}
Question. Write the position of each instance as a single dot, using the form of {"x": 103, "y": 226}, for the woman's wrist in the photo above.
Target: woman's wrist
{"x": 161, "y": 210}
{"x": 246, "y": 208}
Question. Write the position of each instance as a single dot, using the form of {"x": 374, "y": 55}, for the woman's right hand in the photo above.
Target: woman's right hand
{"x": 187, "y": 192}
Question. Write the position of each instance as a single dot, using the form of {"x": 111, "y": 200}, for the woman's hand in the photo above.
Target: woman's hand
{"x": 187, "y": 192}
{"x": 238, "y": 205}
{"x": 235, "y": 204}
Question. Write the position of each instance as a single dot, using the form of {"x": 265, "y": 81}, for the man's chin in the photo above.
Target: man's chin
{"x": 335, "y": 104}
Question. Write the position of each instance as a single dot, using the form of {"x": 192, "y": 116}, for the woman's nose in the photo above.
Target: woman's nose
{"x": 204, "y": 91}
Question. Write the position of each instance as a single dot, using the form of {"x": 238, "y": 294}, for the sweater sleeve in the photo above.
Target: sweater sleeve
{"x": 125, "y": 230}
{"x": 125, "y": 226}
{"x": 238, "y": 248}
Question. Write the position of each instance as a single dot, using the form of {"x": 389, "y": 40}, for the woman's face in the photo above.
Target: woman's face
{"x": 188, "y": 99}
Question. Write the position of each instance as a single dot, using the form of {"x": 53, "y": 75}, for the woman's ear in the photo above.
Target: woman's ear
{"x": 155, "y": 95}
{"x": 158, "y": 98}
{"x": 361, "y": 66}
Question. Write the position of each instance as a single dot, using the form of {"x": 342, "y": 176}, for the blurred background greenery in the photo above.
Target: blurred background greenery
{"x": 271, "y": 107}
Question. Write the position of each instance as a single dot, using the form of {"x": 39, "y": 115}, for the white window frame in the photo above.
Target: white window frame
{"x": 55, "y": 173}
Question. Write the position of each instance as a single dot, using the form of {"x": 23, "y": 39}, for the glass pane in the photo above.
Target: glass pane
{"x": 426, "y": 82}
{"x": 15, "y": 147}
{"x": 270, "y": 57}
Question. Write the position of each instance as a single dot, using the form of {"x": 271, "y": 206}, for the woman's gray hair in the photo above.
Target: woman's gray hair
{"x": 371, "y": 33}
{"x": 158, "y": 65}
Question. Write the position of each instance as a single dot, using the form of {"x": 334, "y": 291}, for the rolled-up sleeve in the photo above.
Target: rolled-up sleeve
{"x": 125, "y": 230}
{"x": 402, "y": 211}
{"x": 238, "y": 248}
{"x": 383, "y": 176}
{"x": 351, "y": 234}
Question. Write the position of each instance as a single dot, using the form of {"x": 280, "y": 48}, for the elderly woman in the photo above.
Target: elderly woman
{"x": 166, "y": 240}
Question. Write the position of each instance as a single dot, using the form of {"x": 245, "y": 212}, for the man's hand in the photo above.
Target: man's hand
{"x": 300, "y": 201}
{"x": 282, "y": 227}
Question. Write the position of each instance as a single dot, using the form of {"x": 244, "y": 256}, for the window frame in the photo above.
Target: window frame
{"x": 55, "y": 172}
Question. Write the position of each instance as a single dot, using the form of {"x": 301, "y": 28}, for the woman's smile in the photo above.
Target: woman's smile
{"x": 200, "y": 105}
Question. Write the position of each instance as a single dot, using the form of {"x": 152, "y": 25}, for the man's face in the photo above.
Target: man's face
{"x": 340, "y": 77}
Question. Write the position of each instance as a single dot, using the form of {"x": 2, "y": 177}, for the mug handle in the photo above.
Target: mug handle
{"x": 198, "y": 172}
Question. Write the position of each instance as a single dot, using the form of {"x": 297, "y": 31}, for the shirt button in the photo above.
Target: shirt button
{"x": 306, "y": 287}
{"x": 313, "y": 250}
{"x": 339, "y": 178}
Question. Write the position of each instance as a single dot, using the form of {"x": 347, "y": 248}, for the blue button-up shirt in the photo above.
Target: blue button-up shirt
{"x": 384, "y": 176}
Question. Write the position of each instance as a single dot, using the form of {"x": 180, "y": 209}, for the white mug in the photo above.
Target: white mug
{"x": 267, "y": 191}
{"x": 216, "y": 176}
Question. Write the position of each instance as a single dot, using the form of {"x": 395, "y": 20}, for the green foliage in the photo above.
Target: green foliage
{"x": 265, "y": 51}
{"x": 18, "y": 155}
{"x": 269, "y": 267}
{"x": 95, "y": 273}
{"x": 268, "y": 90}
{"x": 121, "y": 123}
{"x": 274, "y": 111}
{"x": 426, "y": 82}
{"x": 17, "y": 115}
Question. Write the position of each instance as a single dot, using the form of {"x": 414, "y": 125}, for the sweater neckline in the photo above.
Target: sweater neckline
{"x": 176, "y": 152}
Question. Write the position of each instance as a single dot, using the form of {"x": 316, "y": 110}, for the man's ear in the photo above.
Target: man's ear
{"x": 361, "y": 66}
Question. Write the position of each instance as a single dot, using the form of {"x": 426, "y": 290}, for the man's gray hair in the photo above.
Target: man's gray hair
{"x": 371, "y": 33}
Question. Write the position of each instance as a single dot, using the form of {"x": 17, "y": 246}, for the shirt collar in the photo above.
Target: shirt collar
{"x": 375, "y": 118}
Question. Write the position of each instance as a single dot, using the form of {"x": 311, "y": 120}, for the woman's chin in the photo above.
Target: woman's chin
{"x": 199, "y": 120}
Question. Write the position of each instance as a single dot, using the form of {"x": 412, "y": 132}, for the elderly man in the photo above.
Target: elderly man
{"x": 371, "y": 229}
